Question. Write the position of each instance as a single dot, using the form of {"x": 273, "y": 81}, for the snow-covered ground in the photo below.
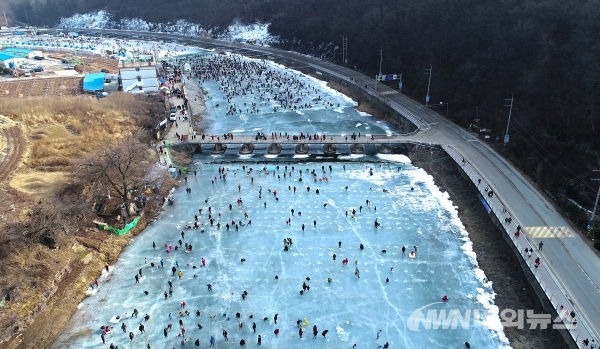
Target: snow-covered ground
{"x": 256, "y": 32}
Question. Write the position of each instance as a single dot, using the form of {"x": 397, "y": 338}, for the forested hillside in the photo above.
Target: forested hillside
{"x": 481, "y": 51}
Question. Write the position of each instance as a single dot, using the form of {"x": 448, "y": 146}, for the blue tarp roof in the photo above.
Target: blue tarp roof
{"x": 19, "y": 50}
{"x": 5, "y": 57}
{"x": 93, "y": 82}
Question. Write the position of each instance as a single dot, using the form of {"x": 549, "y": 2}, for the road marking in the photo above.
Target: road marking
{"x": 549, "y": 232}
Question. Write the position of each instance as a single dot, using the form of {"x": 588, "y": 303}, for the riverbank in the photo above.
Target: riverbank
{"x": 494, "y": 255}
{"x": 85, "y": 261}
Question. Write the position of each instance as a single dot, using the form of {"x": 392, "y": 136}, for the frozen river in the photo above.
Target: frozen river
{"x": 380, "y": 296}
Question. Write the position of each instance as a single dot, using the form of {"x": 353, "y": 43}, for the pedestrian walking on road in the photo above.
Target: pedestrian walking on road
{"x": 540, "y": 245}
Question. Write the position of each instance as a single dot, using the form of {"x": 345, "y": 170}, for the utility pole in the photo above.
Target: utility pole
{"x": 345, "y": 49}
{"x": 512, "y": 99}
{"x": 591, "y": 225}
{"x": 380, "y": 60}
{"x": 428, "y": 84}
{"x": 378, "y": 77}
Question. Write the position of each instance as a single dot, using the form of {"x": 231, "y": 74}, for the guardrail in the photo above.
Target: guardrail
{"x": 557, "y": 295}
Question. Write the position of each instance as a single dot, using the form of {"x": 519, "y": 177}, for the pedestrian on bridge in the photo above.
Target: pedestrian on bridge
{"x": 540, "y": 245}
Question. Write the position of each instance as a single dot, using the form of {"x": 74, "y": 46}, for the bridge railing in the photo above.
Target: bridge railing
{"x": 552, "y": 287}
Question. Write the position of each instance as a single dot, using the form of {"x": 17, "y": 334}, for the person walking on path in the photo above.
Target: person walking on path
{"x": 540, "y": 245}
{"x": 225, "y": 336}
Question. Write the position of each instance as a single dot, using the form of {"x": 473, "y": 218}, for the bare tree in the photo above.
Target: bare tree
{"x": 118, "y": 169}
{"x": 45, "y": 220}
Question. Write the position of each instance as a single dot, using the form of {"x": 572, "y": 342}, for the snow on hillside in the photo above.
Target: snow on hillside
{"x": 256, "y": 32}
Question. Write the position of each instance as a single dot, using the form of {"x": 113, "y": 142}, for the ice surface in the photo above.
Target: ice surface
{"x": 411, "y": 210}
{"x": 352, "y": 309}
{"x": 285, "y": 100}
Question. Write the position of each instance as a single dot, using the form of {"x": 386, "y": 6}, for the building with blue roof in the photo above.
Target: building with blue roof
{"x": 21, "y": 52}
{"x": 93, "y": 82}
{"x": 10, "y": 61}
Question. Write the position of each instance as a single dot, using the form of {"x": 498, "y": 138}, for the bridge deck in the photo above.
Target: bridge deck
{"x": 329, "y": 139}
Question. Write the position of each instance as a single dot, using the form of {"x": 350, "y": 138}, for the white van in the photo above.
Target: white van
{"x": 173, "y": 117}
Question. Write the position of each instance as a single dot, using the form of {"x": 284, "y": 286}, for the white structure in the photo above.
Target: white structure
{"x": 139, "y": 79}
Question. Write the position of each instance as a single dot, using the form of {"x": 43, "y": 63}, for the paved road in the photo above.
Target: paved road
{"x": 570, "y": 270}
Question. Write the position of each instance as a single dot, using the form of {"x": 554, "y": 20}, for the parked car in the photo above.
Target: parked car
{"x": 173, "y": 109}
{"x": 65, "y": 61}
{"x": 36, "y": 70}
{"x": 39, "y": 58}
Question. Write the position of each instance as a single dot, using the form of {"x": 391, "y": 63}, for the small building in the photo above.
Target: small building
{"x": 10, "y": 61}
{"x": 21, "y": 52}
{"x": 138, "y": 79}
{"x": 93, "y": 82}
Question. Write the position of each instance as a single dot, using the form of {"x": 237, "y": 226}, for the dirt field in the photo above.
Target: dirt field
{"x": 93, "y": 63}
{"x": 41, "y": 87}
